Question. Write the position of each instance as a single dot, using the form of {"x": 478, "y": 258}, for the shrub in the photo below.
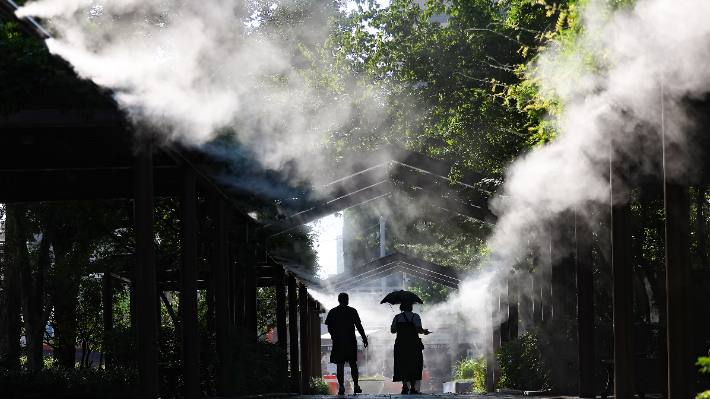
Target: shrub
{"x": 319, "y": 387}
{"x": 704, "y": 363}
{"x": 472, "y": 370}
{"x": 522, "y": 365}
{"x": 257, "y": 366}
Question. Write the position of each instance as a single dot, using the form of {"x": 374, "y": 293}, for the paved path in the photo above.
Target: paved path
{"x": 428, "y": 396}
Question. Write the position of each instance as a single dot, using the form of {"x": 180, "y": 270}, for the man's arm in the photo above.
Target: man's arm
{"x": 362, "y": 333}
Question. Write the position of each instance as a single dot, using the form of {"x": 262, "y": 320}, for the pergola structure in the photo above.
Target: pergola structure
{"x": 52, "y": 155}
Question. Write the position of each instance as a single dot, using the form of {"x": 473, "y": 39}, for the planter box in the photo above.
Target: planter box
{"x": 371, "y": 387}
{"x": 457, "y": 387}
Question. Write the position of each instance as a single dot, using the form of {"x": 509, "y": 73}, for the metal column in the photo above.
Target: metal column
{"x": 221, "y": 275}
{"x": 188, "y": 285}
{"x": 146, "y": 295}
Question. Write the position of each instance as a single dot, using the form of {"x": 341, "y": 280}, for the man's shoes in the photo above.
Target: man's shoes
{"x": 414, "y": 391}
{"x": 357, "y": 389}
{"x": 405, "y": 390}
{"x": 341, "y": 391}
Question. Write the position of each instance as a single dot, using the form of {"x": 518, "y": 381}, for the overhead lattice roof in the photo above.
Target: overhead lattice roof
{"x": 391, "y": 264}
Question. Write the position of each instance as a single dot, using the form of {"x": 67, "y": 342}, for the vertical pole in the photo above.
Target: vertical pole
{"x": 315, "y": 340}
{"x": 188, "y": 282}
{"x": 585, "y": 305}
{"x": 383, "y": 253}
{"x": 624, "y": 385}
{"x": 221, "y": 275}
{"x": 107, "y": 302}
{"x": 490, "y": 342}
{"x": 383, "y": 244}
{"x": 513, "y": 298}
{"x": 562, "y": 258}
{"x": 293, "y": 333}
{"x": 146, "y": 295}
{"x": 250, "y": 290}
{"x": 240, "y": 239}
{"x": 537, "y": 296}
{"x": 305, "y": 347}
{"x": 232, "y": 286}
{"x": 503, "y": 310}
{"x": 526, "y": 300}
{"x": 546, "y": 272}
{"x": 676, "y": 199}
{"x": 496, "y": 320}
{"x": 280, "y": 277}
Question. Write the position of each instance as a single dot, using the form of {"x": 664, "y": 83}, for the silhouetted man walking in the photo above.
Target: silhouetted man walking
{"x": 342, "y": 321}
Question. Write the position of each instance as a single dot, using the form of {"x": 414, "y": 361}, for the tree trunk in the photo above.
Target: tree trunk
{"x": 34, "y": 310}
{"x": 10, "y": 321}
{"x": 65, "y": 326}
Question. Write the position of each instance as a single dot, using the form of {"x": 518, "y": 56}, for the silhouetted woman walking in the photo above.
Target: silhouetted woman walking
{"x": 408, "y": 347}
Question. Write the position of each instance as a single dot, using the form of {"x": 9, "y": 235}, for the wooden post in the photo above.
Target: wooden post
{"x": 624, "y": 384}
{"x": 280, "y": 277}
{"x": 221, "y": 275}
{"x": 546, "y": 272}
{"x": 585, "y": 304}
{"x": 240, "y": 240}
{"x": 563, "y": 264}
{"x": 146, "y": 294}
{"x": 503, "y": 310}
{"x": 250, "y": 291}
{"x": 496, "y": 321}
{"x": 293, "y": 333}
{"x": 107, "y": 302}
{"x": 525, "y": 292}
{"x": 513, "y": 298}
{"x": 188, "y": 282}
{"x": 314, "y": 333}
{"x": 490, "y": 342}
{"x": 537, "y": 296}
{"x": 680, "y": 344}
{"x": 305, "y": 347}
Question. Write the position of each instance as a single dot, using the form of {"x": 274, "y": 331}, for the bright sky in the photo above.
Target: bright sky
{"x": 328, "y": 229}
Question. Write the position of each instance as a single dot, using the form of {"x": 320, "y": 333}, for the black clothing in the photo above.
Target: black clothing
{"x": 408, "y": 357}
{"x": 341, "y": 321}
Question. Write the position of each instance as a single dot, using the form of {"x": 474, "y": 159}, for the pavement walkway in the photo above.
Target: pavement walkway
{"x": 428, "y": 396}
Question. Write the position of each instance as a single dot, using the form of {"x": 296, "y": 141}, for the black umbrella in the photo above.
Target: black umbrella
{"x": 400, "y": 296}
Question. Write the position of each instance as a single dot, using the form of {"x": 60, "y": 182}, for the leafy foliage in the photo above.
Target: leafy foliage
{"x": 522, "y": 365}
{"x": 473, "y": 370}
{"x": 319, "y": 386}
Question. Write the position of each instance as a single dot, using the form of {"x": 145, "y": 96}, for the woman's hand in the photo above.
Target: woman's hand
{"x": 426, "y": 332}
